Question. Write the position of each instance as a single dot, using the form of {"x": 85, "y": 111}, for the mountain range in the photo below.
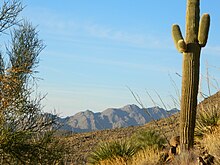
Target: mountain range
{"x": 129, "y": 115}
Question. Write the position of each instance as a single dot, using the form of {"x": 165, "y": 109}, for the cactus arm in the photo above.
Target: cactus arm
{"x": 204, "y": 30}
{"x": 178, "y": 38}
{"x": 182, "y": 47}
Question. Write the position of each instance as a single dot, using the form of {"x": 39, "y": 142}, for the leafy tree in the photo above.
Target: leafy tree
{"x": 26, "y": 133}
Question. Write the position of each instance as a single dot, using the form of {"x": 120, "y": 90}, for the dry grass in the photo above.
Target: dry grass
{"x": 211, "y": 142}
{"x": 143, "y": 157}
{"x": 186, "y": 158}
{"x": 114, "y": 161}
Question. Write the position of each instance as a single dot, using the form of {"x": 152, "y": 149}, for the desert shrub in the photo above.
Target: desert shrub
{"x": 22, "y": 147}
{"x": 207, "y": 120}
{"x": 26, "y": 132}
{"x": 111, "y": 150}
{"x": 150, "y": 138}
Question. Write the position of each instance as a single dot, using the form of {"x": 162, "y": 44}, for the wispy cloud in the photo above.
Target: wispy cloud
{"x": 100, "y": 31}
{"x": 63, "y": 26}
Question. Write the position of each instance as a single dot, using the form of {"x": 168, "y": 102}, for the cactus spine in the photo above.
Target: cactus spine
{"x": 196, "y": 38}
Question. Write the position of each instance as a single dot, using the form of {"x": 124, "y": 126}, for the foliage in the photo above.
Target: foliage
{"x": 142, "y": 143}
{"x": 22, "y": 147}
{"x": 208, "y": 119}
{"x": 111, "y": 150}
{"x": 26, "y": 132}
{"x": 150, "y": 138}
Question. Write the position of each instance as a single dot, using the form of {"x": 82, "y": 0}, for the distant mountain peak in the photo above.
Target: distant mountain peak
{"x": 130, "y": 106}
{"x": 128, "y": 115}
{"x": 88, "y": 111}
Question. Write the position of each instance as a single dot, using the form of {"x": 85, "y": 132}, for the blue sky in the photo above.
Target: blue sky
{"x": 95, "y": 49}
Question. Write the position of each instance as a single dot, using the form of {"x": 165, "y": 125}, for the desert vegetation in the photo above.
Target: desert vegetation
{"x": 196, "y": 38}
{"x": 26, "y": 133}
{"x": 125, "y": 149}
{"x": 29, "y": 136}
{"x": 147, "y": 146}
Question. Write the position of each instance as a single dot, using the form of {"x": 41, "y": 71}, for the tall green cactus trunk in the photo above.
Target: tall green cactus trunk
{"x": 196, "y": 37}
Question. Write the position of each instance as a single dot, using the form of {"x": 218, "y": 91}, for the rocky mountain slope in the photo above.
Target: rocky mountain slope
{"x": 81, "y": 144}
{"x": 129, "y": 115}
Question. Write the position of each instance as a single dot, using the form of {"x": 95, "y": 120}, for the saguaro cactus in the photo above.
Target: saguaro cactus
{"x": 190, "y": 47}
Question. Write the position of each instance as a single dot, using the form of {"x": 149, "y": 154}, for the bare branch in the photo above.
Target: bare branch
{"x": 9, "y": 14}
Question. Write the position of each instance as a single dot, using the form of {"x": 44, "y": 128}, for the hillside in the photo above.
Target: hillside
{"x": 81, "y": 144}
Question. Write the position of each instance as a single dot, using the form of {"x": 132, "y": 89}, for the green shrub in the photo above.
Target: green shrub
{"x": 207, "y": 120}
{"x": 149, "y": 138}
{"x": 26, "y": 132}
{"x": 111, "y": 150}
